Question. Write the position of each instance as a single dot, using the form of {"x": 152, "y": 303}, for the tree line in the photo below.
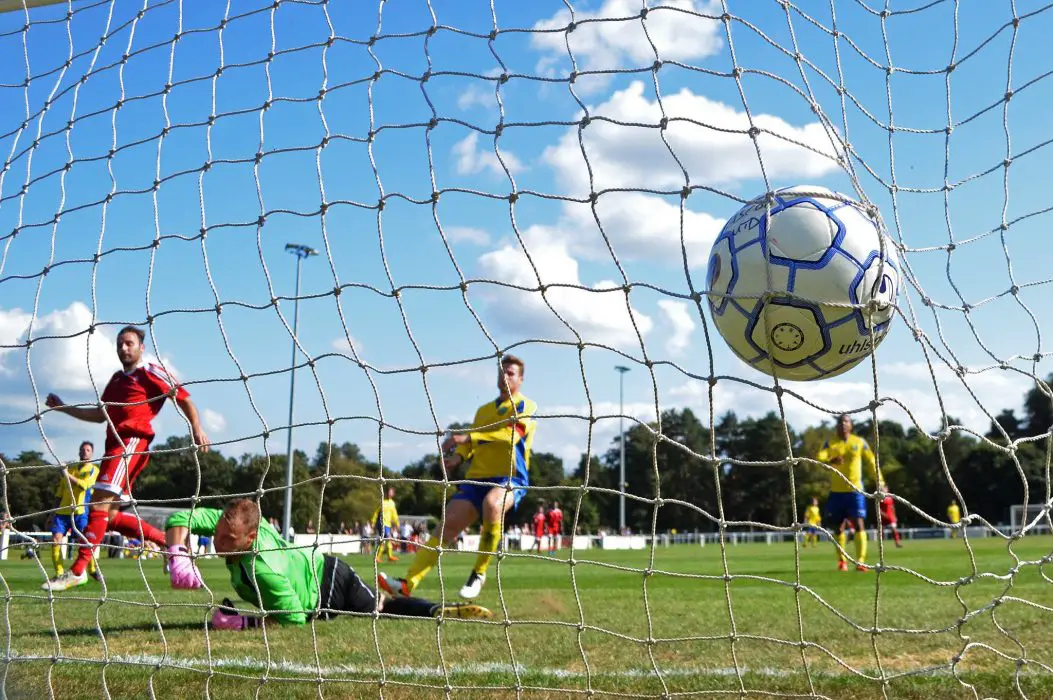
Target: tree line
{"x": 746, "y": 471}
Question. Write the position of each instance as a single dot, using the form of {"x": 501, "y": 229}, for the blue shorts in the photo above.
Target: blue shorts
{"x": 849, "y": 505}
{"x": 61, "y": 524}
{"x": 387, "y": 532}
{"x": 476, "y": 493}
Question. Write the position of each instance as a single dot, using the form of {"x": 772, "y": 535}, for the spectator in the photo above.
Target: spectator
{"x": 407, "y": 535}
{"x": 365, "y": 534}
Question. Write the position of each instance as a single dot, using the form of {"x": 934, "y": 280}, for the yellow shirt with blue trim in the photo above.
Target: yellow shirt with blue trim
{"x": 954, "y": 513}
{"x": 500, "y": 440}
{"x": 812, "y": 516}
{"x": 854, "y": 454}
{"x": 73, "y": 494}
{"x": 386, "y": 515}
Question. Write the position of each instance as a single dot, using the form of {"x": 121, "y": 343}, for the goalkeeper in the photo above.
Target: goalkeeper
{"x": 290, "y": 585}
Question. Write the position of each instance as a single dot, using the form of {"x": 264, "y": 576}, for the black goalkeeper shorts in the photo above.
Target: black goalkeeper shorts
{"x": 343, "y": 591}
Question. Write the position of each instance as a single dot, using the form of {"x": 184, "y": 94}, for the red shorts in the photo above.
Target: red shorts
{"x": 539, "y": 534}
{"x": 552, "y": 532}
{"x": 122, "y": 464}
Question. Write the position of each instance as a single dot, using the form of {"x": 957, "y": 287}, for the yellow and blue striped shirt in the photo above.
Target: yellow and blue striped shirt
{"x": 853, "y": 454}
{"x": 501, "y": 437}
{"x": 73, "y": 494}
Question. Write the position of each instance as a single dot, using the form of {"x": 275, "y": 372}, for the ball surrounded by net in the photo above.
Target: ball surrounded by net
{"x": 802, "y": 285}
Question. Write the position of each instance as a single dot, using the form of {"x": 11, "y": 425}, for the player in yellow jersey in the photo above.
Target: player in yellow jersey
{"x": 71, "y": 517}
{"x": 812, "y": 519}
{"x": 954, "y": 514}
{"x": 386, "y": 521}
{"x": 848, "y": 454}
{"x": 497, "y": 452}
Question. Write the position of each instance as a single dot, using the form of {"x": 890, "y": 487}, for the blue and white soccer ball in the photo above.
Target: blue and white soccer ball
{"x": 805, "y": 289}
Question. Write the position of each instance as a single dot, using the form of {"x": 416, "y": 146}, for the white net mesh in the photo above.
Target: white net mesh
{"x": 544, "y": 179}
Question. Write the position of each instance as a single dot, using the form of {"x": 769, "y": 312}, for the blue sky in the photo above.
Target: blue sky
{"x": 369, "y": 253}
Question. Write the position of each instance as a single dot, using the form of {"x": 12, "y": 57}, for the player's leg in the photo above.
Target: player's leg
{"x": 98, "y": 520}
{"x": 136, "y": 458}
{"x": 861, "y": 535}
{"x": 498, "y": 501}
{"x": 895, "y": 534}
{"x": 381, "y": 542}
{"x": 835, "y": 519}
{"x": 58, "y": 537}
{"x": 460, "y": 513}
{"x": 342, "y": 590}
{"x": 80, "y": 526}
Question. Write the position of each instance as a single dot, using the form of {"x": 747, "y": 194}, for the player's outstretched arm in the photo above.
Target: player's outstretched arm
{"x": 182, "y": 570}
{"x": 190, "y": 411}
{"x": 91, "y": 415}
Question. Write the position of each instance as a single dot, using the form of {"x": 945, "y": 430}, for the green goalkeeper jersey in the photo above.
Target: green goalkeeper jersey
{"x": 282, "y": 581}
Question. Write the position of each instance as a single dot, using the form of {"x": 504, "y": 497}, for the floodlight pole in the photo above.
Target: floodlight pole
{"x": 621, "y": 442}
{"x": 301, "y": 252}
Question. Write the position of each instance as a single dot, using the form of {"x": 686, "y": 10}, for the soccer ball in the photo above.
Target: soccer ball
{"x": 803, "y": 288}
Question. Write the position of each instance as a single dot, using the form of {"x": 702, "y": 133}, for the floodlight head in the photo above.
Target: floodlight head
{"x": 300, "y": 251}
{"x": 621, "y": 369}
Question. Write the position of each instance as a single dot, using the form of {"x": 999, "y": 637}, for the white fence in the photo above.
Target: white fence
{"x": 352, "y": 544}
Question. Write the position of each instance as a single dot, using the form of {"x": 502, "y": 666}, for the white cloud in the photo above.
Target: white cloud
{"x": 60, "y": 362}
{"x": 714, "y": 150}
{"x": 474, "y": 95}
{"x": 342, "y": 346}
{"x": 600, "y": 317}
{"x": 611, "y": 45}
{"x": 472, "y": 160}
{"x": 214, "y": 421}
{"x": 466, "y": 234}
{"x": 907, "y": 383}
{"x": 640, "y": 227}
{"x": 13, "y": 325}
{"x": 678, "y": 317}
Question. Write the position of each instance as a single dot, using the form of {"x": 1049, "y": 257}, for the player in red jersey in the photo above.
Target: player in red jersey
{"x": 555, "y": 528}
{"x": 132, "y": 399}
{"x": 539, "y": 522}
{"x": 888, "y": 517}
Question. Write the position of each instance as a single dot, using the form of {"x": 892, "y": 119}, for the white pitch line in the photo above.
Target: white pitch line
{"x": 351, "y": 670}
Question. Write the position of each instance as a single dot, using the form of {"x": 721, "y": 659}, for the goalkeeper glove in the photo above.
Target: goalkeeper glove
{"x": 182, "y": 570}
{"x": 227, "y": 618}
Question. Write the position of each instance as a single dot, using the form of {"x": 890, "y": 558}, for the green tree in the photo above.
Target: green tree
{"x": 28, "y": 484}
{"x": 661, "y": 460}
{"x": 178, "y": 472}
{"x": 756, "y": 492}
{"x": 350, "y": 490}
{"x": 256, "y": 471}
{"x": 1038, "y": 409}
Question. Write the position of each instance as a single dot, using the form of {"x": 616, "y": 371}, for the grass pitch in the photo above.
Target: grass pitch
{"x": 782, "y": 621}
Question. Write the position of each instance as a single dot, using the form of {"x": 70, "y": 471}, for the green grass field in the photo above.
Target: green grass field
{"x": 561, "y": 630}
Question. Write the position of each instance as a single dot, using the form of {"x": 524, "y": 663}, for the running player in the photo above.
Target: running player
{"x": 132, "y": 399}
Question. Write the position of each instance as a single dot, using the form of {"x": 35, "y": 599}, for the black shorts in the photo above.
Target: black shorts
{"x": 342, "y": 591}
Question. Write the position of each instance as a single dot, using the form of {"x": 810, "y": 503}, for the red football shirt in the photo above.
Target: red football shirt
{"x": 539, "y": 524}
{"x": 555, "y": 520}
{"x": 888, "y": 509}
{"x": 133, "y": 399}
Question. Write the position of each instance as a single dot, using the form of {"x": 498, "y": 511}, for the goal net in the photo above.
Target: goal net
{"x": 462, "y": 181}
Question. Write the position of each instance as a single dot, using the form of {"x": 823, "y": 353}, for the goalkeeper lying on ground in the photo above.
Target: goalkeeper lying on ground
{"x": 290, "y": 585}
